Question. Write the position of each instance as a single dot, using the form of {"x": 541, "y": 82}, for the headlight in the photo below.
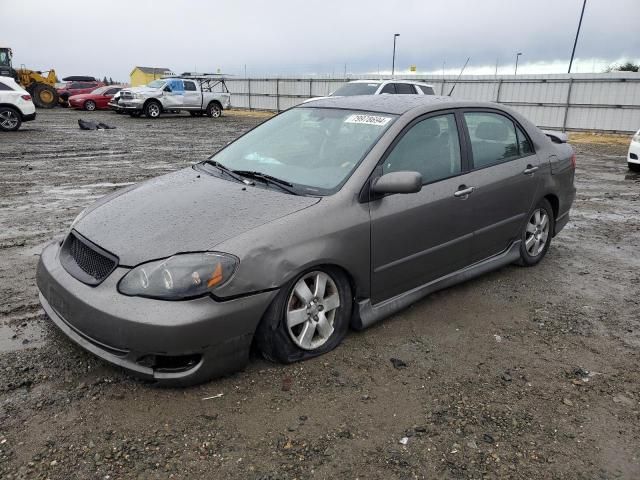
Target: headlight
{"x": 179, "y": 277}
{"x": 636, "y": 137}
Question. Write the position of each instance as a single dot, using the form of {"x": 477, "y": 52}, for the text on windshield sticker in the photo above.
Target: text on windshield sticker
{"x": 368, "y": 119}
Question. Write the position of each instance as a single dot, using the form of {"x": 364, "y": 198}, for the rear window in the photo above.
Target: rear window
{"x": 5, "y": 87}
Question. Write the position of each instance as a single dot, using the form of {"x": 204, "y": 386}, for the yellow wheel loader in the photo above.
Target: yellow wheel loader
{"x": 41, "y": 87}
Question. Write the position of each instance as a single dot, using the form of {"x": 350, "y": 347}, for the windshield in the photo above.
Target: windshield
{"x": 314, "y": 149}
{"x": 356, "y": 89}
{"x": 156, "y": 84}
{"x": 100, "y": 91}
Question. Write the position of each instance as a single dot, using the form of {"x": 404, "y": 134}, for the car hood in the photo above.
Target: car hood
{"x": 142, "y": 89}
{"x": 185, "y": 211}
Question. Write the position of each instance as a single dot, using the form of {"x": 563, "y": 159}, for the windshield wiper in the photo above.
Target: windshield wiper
{"x": 266, "y": 178}
{"x": 228, "y": 171}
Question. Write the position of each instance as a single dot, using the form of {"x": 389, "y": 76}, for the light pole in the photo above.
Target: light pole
{"x": 393, "y": 62}
{"x": 517, "y": 57}
{"x": 575, "y": 42}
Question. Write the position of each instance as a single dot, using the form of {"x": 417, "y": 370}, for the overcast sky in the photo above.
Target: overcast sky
{"x": 316, "y": 37}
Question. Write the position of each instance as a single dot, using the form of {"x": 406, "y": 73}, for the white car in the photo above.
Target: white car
{"x": 16, "y": 105}
{"x": 633, "y": 157}
{"x": 381, "y": 87}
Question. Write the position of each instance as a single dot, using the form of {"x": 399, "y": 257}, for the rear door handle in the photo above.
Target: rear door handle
{"x": 530, "y": 169}
{"x": 463, "y": 191}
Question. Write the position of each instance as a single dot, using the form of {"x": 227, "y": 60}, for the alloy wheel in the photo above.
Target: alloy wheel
{"x": 537, "y": 232}
{"x": 153, "y": 110}
{"x": 8, "y": 119}
{"x": 90, "y": 106}
{"x": 311, "y": 310}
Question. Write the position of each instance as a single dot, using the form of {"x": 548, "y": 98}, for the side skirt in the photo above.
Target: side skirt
{"x": 367, "y": 314}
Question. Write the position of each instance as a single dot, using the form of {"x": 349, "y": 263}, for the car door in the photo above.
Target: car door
{"x": 106, "y": 97}
{"x": 503, "y": 178}
{"x": 419, "y": 237}
{"x": 192, "y": 97}
{"x": 173, "y": 94}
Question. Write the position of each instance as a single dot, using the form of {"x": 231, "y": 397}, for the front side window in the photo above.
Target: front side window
{"x": 405, "y": 88}
{"x": 493, "y": 138}
{"x": 388, "y": 88}
{"x": 431, "y": 147}
{"x": 356, "y": 89}
{"x": 315, "y": 149}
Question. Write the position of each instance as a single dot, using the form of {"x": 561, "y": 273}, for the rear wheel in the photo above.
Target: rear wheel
{"x": 537, "y": 233}
{"x": 214, "y": 110}
{"x": 634, "y": 167}
{"x": 310, "y": 316}
{"x": 10, "y": 120}
{"x": 152, "y": 110}
{"x": 90, "y": 105}
{"x": 44, "y": 96}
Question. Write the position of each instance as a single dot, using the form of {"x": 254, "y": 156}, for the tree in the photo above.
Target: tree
{"x": 625, "y": 67}
{"x": 111, "y": 82}
{"x": 104, "y": 80}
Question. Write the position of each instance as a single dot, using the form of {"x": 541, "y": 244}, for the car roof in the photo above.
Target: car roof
{"x": 395, "y": 104}
{"x": 412, "y": 82}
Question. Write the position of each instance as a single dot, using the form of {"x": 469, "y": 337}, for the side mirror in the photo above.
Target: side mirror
{"x": 398, "y": 182}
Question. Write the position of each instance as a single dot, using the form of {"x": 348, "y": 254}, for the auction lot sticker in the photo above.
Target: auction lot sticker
{"x": 368, "y": 119}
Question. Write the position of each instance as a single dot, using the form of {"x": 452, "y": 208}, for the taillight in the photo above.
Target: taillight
{"x": 26, "y": 97}
{"x": 573, "y": 160}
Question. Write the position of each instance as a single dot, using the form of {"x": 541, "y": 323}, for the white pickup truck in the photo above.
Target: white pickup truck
{"x": 198, "y": 95}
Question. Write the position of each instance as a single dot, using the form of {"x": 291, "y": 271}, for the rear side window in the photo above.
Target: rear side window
{"x": 426, "y": 90}
{"x": 523, "y": 143}
{"x": 431, "y": 147}
{"x": 388, "y": 88}
{"x": 5, "y": 87}
{"x": 189, "y": 86}
{"x": 112, "y": 91}
{"x": 405, "y": 88}
{"x": 493, "y": 138}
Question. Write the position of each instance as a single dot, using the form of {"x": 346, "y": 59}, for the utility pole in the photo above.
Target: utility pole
{"x": 393, "y": 62}
{"x": 575, "y": 42}
{"x": 517, "y": 57}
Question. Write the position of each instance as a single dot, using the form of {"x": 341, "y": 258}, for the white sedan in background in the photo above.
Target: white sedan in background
{"x": 633, "y": 157}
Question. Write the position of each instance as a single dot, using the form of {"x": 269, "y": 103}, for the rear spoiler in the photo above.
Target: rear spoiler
{"x": 556, "y": 137}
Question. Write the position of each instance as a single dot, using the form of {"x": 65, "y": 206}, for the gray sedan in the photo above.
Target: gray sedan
{"x": 331, "y": 215}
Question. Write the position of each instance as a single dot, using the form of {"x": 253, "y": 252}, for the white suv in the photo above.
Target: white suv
{"x": 16, "y": 105}
{"x": 633, "y": 157}
{"x": 380, "y": 87}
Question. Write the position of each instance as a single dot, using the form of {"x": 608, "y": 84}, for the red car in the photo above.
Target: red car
{"x": 76, "y": 88}
{"x": 96, "y": 100}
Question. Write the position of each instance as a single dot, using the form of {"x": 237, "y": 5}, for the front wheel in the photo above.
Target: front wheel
{"x": 152, "y": 110}
{"x": 90, "y": 105}
{"x": 310, "y": 316}
{"x": 10, "y": 120}
{"x": 537, "y": 233}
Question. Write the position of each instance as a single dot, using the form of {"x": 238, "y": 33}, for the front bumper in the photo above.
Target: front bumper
{"x": 633, "y": 156}
{"x": 175, "y": 343}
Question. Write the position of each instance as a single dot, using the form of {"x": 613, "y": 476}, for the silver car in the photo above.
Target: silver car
{"x": 331, "y": 215}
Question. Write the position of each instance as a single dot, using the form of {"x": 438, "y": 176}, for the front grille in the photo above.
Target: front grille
{"x": 86, "y": 261}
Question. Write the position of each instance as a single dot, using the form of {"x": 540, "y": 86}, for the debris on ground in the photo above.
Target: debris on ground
{"x": 89, "y": 125}
{"x": 397, "y": 363}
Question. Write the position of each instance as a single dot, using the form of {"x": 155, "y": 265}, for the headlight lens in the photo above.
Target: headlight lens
{"x": 179, "y": 277}
{"x": 636, "y": 137}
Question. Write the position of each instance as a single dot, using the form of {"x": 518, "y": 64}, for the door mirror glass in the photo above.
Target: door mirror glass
{"x": 398, "y": 182}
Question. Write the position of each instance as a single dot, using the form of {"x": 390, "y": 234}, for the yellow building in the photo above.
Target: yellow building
{"x": 144, "y": 75}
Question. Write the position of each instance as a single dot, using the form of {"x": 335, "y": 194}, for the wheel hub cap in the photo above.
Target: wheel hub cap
{"x": 311, "y": 310}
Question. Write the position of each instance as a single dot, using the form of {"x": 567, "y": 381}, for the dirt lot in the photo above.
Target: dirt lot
{"x": 523, "y": 373}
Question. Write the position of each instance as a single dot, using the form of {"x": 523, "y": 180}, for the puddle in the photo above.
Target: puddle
{"x": 22, "y": 335}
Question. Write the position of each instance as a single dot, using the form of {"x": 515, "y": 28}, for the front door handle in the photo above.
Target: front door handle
{"x": 530, "y": 169}
{"x": 463, "y": 191}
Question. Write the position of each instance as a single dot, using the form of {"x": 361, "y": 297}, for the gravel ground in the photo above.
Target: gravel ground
{"x": 523, "y": 373}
